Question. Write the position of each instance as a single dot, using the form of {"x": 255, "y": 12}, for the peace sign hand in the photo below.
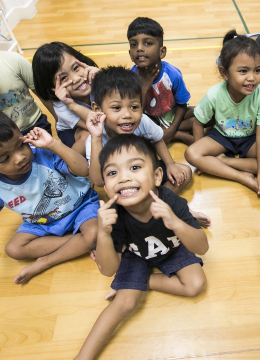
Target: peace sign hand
{"x": 106, "y": 216}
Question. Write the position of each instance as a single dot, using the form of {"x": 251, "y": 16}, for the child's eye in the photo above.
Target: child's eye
{"x": 135, "y": 107}
{"x": 257, "y": 71}
{"x": 135, "y": 167}
{"x": 132, "y": 45}
{"x": 116, "y": 108}
{"x": 76, "y": 67}
{"x": 148, "y": 43}
{"x": 63, "y": 78}
{"x": 111, "y": 173}
{"x": 242, "y": 71}
{"x": 5, "y": 160}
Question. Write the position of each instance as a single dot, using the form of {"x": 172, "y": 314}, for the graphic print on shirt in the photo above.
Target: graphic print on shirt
{"x": 14, "y": 99}
{"x": 237, "y": 127}
{"x": 54, "y": 188}
{"x": 159, "y": 98}
{"x": 155, "y": 246}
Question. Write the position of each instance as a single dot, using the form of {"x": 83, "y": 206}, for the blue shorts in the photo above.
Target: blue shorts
{"x": 68, "y": 224}
{"x": 236, "y": 146}
{"x": 42, "y": 122}
{"x": 134, "y": 271}
{"x": 67, "y": 137}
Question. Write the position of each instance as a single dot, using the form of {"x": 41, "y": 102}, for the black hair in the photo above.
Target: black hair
{"x": 116, "y": 79}
{"x": 239, "y": 44}
{"x": 230, "y": 35}
{"x": 144, "y": 25}
{"x": 46, "y": 62}
{"x": 257, "y": 40}
{"x": 7, "y": 127}
{"x": 126, "y": 141}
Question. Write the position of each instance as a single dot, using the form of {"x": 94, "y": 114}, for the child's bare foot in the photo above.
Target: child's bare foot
{"x": 29, "y": 271}
{"x": 248, "y": 180}
{"x": 93, "y": 254}
{"x": 203, "y": 219}
{"x": 110, "y": 296}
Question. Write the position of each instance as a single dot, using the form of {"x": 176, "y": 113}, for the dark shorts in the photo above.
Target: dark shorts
{"x": 134, "y": 271}
{"x": 67, "y": 137}
{"x": 42, "y": 122}
{"x": 236, "y": 146}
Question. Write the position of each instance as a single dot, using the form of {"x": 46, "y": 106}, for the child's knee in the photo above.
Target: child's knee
{"x": 198, "y": 286}
{"x": 12, "y": 251}
{"x": 190, "y": 155}
{"x": 128, "y": 303}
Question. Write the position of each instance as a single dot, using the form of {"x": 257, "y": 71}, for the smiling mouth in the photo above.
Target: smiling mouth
{"x": 142, "y": 57}
{"x": 249, "y": 86}
{"x": 83, "y": 86}
{"x": 126, "y": 126}
{"x": 128, "y": 191}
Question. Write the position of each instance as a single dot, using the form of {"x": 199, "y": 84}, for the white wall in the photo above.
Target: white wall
{"x": 16, "y": 10}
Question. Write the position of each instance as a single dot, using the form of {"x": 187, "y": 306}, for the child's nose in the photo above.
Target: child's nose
{"x": 139, "y": 47}
{"x": 19, "y": 158}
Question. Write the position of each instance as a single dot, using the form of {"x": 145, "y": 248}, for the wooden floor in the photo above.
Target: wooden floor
{"x": 50, "y": 316}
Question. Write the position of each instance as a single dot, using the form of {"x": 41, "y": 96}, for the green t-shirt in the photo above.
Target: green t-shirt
{"x": 15, "y": 99}
{"x": 232, "y": 120}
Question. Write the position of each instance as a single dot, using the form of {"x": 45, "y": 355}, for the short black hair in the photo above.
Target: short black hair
{"x": 235, "y": 46}
{"x": 144, "y": 25}
{"x": 7, "y": 127}
{"x": 126, "y": 141}
{"x": 46, "y": 62}
{"x": 116, "y": 79}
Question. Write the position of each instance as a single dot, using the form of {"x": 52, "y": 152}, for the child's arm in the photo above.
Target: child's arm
{"x": 107, "y": 259}
{"x": 63, "y": 94}
{"x": 193, "y": 239}
{"x": 40, "y": 138}
{"x": 174, "y": 171}
{"x": 258, "y": 157}
{"x": 179, "y": 115}
{"x": 198, "y": 130}
{"x": 148, "y": 77}
{"x": 95, "y": 123}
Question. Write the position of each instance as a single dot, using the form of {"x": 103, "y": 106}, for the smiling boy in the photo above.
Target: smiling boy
{"x": 165, "y": 95}
{"x": 153, "y": 224}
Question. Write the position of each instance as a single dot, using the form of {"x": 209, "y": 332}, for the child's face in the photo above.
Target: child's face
{"x": 130, "y": 175}
{"x": 15, "y": 157}
{"x": 243, "y": 76}
{"x": 71, "y": 70}
{"x": 122, "y": 115}
{"x": 145, "y": 50}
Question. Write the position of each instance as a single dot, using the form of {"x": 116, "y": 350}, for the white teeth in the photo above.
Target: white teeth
{"x": 126, "y": 125}
{"x": 128, "y": 191}
{"x": 82, "y": 86}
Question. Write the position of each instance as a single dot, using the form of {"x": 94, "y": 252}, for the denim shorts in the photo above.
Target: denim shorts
{"x": 42, "y": 122}
{"x": 236, "y": 146}
{"x": 67, "y": 137}
{"x": 69, "y": 223}
{"x": 134, "y": 271}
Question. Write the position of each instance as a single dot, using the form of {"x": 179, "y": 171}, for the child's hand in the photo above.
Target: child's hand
{"x": 148, "y": 76}
{"x": 160, "y": 209}
{"x": 176, "y": 174}
{"x": 62, "y": 92}
{"x": 106, "y": 216}
{"x": 89, "y": 71}
{"x": 39, "y": 138}
{"x": 95, "y": 123}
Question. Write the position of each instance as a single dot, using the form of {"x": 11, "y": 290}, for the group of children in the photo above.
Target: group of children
{"x": 113, "y": 124}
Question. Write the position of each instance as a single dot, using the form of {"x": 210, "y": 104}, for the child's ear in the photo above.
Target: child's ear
{"x": 158, "y": 175}
{"x": 95, "y": 107}
{"x": 163, "y": 51}
{"x": 223, "y": 73}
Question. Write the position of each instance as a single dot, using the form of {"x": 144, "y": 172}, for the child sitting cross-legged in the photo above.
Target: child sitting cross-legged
{"x": 118, "y": 110}
{"x": 155, "y": 227}
{"x": 46, "y": 184}
{"x": 165, "y": 95}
